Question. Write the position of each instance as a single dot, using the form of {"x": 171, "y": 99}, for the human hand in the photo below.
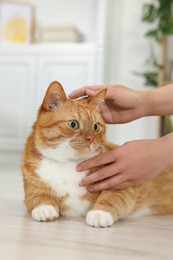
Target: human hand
{"x": 121, "y": 104}
{"x": 130, "y": 164}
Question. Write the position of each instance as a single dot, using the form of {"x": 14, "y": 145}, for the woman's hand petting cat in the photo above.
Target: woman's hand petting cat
{"x": 137, "y": 161}
{"x": 121, "y": 104}
{"x": 130, "y": 164}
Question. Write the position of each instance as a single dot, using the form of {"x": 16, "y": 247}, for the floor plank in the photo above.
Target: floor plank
{"x": 22, "y": 238}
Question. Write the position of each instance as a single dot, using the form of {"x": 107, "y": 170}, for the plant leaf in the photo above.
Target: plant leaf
{"x": 149, "y": 13}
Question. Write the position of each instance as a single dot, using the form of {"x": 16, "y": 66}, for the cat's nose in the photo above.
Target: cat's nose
{"x": 90, "y": 138}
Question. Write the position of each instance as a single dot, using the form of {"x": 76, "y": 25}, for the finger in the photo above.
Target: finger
{"x": 124, "y": 185}
{"x": 99, "y": 175}
{"x": 101, "y": 159}
{"x": 78, "y": 93}
{"x": 109, "y": 183}
{"x": 87, "y": 90}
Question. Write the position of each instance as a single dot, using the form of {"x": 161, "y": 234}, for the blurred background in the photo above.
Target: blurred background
{"x": 77, "y": 43}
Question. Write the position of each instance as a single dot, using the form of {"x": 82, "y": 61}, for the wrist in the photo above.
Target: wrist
{"x": 158, "y": 101}
{"x": 146, "y": 97}
{"x": 150, "y": 102}
{"x": 166, "y": 147}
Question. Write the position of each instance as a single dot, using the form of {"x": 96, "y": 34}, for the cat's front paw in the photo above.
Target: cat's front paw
{"x": 99, "y": 218}
{"x": 45, "y": 213}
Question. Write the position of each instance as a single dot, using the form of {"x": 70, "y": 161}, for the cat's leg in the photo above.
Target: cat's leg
{"x": 40, "y": 200}
{"x": 111, "y": 206}
{"x": 99, "y": 218}
{"x": 46, "y": 211}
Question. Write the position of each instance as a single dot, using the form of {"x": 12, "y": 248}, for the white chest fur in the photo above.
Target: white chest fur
{"x": 63, "y": 178}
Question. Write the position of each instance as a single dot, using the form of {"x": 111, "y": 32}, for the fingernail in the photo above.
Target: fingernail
{"x": 79, "y": 168}
{"x": 82, "y": 183}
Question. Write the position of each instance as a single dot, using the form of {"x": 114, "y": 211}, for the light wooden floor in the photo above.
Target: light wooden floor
{"x": 21, "y": 238}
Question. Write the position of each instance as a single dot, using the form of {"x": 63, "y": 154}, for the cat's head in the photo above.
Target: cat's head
{"x": 69, "y": 128}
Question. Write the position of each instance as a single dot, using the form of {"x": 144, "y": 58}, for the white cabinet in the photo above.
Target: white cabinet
{"x": 16, "y": 99}
{"x": 26, "y": 72}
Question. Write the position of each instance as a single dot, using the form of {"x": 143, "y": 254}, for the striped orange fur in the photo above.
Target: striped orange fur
{"x": 65, "y": 133}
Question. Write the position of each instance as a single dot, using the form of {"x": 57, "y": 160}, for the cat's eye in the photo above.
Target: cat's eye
{"x": 73, "y": 124}
{"x": 96, "y": 127}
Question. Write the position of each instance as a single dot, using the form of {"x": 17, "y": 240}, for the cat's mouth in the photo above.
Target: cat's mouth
{"x": 85, "y": 149}
{"x": 90, "y": 148}
{"x": 95, "y": 149}
{"x": 88, "y": 151}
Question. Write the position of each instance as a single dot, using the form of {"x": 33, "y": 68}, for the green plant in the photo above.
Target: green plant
{"x": 150, "y": 75}
{"x": 159, "y": 15}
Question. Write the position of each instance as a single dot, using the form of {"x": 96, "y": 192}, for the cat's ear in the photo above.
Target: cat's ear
{"x": 99, "y": 98}
{"x": 54, "y": 96}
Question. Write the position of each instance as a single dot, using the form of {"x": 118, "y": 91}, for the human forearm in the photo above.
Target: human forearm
{"x": 158, "y": 101}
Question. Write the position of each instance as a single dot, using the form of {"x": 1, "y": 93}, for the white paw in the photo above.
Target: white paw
{"x": 99, "y": 218}
{"x": 45, "y": 213}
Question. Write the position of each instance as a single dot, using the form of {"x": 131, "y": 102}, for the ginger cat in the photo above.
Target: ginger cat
{"x": 65, "y": 133}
